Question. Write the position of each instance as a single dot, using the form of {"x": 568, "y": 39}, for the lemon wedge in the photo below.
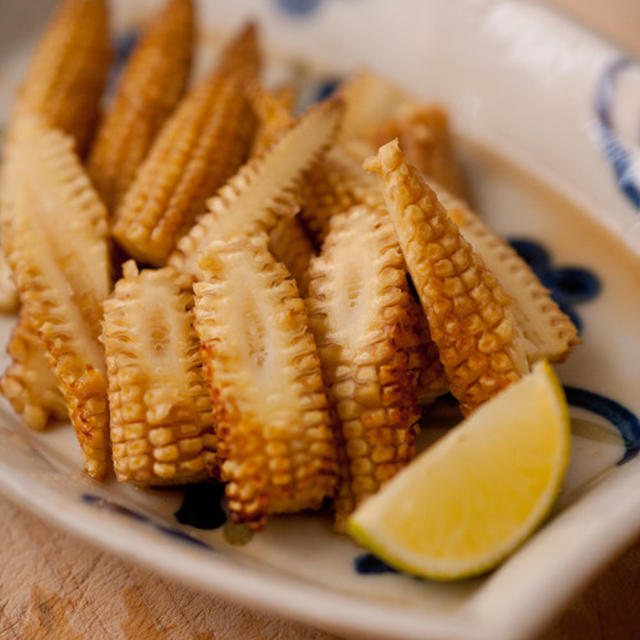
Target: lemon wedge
{"x": 470, "y": 499}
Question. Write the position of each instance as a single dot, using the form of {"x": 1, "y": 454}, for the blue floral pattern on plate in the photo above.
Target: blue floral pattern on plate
{"x": 617, "y": 152}
{"x": 569, "y": 285}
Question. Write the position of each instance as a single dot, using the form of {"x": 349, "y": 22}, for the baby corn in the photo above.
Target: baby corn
{"x": 264, "y": 376}
{"x": 369, "y": 100}
{"x": 335, "y": 185}
{"x": 363, "y": 317}
{"x": 28, "y": 383}
{"x": 203, "y": 143}
{"x": 265, "y": 189}
{"x": 290, "y": 244}
{"x": 548, "y": 332}
{"x": 8, "y": 293}
{"x": 161, "y": 420}
{"x": 153, "y": 81}
{"x": 423, "y": 132}
{"x": 471, "y": 318}
{"x": 66, "y": 76}
{"x": 274, "y": 116}
{"x": 55, "y": 242}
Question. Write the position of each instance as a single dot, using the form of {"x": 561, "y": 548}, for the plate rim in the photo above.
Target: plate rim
{"x": 251, "y": 588}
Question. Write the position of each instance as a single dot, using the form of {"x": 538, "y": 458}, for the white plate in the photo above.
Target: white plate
{"x": 548, "y": 120}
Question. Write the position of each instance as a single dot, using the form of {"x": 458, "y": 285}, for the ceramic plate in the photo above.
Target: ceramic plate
{"x": 547, "y": 118}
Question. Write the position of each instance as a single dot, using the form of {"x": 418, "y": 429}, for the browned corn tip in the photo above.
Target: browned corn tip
{"x": 364, "y": 320}
{"x": 264, "y": 376}
{"x": 265, "y": 189}
{"x": 200, "y": 146}
{"x": 369, "y": 100}
{"x": 425, "y": 138}
{"x": 153, "y": 81}
{"x": 242, "y": 54}
{"x": 549, "y": 333}
{"x": 290, "y": 244}
{"x": 470, "y": 316}
{"x": 67, "y": 73}
{"x": 333, "y": 186}
{"x": 161, "y": 419}
{"x": 28, "y": 383}
{"x": 274, "y": 116}
{"x": 54, "y": 236}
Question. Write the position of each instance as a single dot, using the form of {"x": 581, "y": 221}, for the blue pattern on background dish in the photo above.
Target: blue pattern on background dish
{"x": 109, "y": 505}
{"x": 617, "y": 152}
{"x": 568, "y": 285}
{"x": 298, "y": 8}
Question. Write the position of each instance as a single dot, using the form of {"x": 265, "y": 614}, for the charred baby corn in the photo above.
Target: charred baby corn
{"x": 66, "y": 76}
{"x": 28, "y": 383}
{"x": 153, "y": 81}
{"x": 471, "y": 318}
{"x": 335, "y": 185}
{"x": 55, "y": 242}
{"x": 161, "y": 420}
{"x": 266, "y": 387}
{"x": 265, "y": 189}
{"x": 425, "y": 139}
{"x": 548, "y": 332}
{"x": 203, "y": 143}
{"x": 290, "y": 244}
{"x": 363, "y": 317}
{"x": 274, "y": 116}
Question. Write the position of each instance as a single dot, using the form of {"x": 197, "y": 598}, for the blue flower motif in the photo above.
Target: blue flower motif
{"x": 124, "y": 45}
{"x": 616, "y": 151}
{"x": 298, "y": 8}
{"x": 109, "y": 505}
{"x": 569, "y": 286}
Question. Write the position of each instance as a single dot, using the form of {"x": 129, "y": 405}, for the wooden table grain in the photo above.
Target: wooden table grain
{"x": 53, "y": 586}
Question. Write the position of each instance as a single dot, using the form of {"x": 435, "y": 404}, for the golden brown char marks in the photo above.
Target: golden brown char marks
{"x": 425, "y": 138}
{"x": 265, "y": 189}
{"x": 549, "y": 333}
{"x": 471, "y": 318}
{"x": 28, "y": 383}
{"x": 204, "y": 142}
{"x": 66, "y": 76}
{"x": 55, "y": 242}
{"x": 264, "y": 376}
{"x": 364, "y": 320}
{"x": 290, "y": 244}
{"x": 161, "y": 419}
{"x": 153, "y": 81}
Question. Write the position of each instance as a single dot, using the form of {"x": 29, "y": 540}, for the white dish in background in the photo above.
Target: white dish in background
{"x": 547, "y": 114}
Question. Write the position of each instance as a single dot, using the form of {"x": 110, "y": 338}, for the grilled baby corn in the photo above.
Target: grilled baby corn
{"x": 471, "y": 318}
{"x": 370, "y": 99}
{"x": 274, "y": 116}
{"x": 548, "y": 332}
{"x": 335, "y": 185}
{"x": 265, "y": 189}
{"x": 363, "y": 317}
{"x": 8, "y": 293}
{"x": 264, "y": 376}
{"x": 203, "y": 143}
{"x": 66, "y": 76}
{"x": 425, "y": 139}
{"x": 161, "y": 421}
{"x": 29, "y": 384}
{"x": 290, "y": 244}
{"x": 153, "y": 81}
{"x": 55, "y": 241}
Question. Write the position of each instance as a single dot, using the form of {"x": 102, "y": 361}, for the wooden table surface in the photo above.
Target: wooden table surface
{"x": 53, "y": 586}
